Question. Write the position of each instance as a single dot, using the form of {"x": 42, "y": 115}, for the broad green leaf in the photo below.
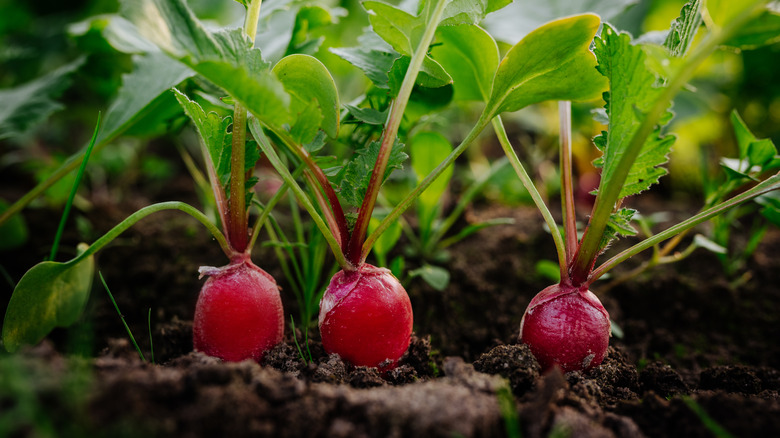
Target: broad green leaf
{"x": 684, "y": 28}
{"x": 386, "y": 242}
{"x": 49, "y": 295}
{"x": 437, "y": 277}
{"x": 29, "y": 104}
{"x": 13, "y": 233}
{"x": 307, "y": 80}
{"x": 373, "y": 56}
{"x": 761, "y": 31}
{"x": 153, "y": 75}
{"x": 431, "y": 75}
{"x": 552, "y": 63}
{"x": 226, "y": 59}
{"x": 213, "y": 132}
{"x": 470, "y": 56}
{"x": 520, "y": 18}
{"x": 428, "y": 150}
{"x": 549, "y": 270}
{"x": 352, "y": 181}
{"x": 633, "y": 89}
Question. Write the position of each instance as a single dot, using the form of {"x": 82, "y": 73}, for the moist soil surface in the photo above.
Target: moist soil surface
{"x": 698, "y": 355}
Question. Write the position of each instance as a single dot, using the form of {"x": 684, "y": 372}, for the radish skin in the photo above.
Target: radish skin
{"x": 566, "y": 326}
{"x": 239, "y": 313}
{"x": 366, "y": 317}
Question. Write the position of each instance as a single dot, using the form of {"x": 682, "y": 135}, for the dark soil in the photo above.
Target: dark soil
{"x": 698, "y": 357}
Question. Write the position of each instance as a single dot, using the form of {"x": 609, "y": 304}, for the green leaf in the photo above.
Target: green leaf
{"x": 633, "y": 89}
{"x": 549, "y": 270}
{"x": 13, "y": 233}
{"x": 387, "y": 241}
{"x": 458, "y": 12}
{"x": 428, "y": 150}
{"x": 49, "y": 295}
{"x": 551, "y": 63}
{"x": 723, "y": 11}
{"x": 213, "y": 132}
{"x": 25, "y": 106}
{"x": 368, "y": 115}
{"x": 684, "y": 28}
{"x": 153, "y": 75}
{"x": 373, "y": 56}
{"x": 307, "y": 80}
{"x": 753, "y": 152}
{"x": 761, "y": 31}
{"x": 520, "y": 18}
{"x": 470, "y": 56}
{"x": 227, "y": 59}
{"x": 619, "y": 225}
{"x": 404, "y": 32}
{"x": 352, "y": 181}
{"x": 307, "y": 19}
{"x": 437, "y": 277}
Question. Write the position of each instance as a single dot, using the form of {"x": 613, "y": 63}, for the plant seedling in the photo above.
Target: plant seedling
{"x": 565, "y": 324}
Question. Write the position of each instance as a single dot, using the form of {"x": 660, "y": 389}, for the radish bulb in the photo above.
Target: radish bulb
{"x": 566, "y": 326}
{"x": 366, "y": 317}
{"x": 239, "y": 313}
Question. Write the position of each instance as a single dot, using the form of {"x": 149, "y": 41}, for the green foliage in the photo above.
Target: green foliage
{"x": 470, "y": 56}
{"x": 13, "y": 233}
{"x": 387, "y": 241}
{"x": 551, "y": 63}
{"x": 314, "y": 96}
{"x": 49, "y": 295}
{"x": 684, "y": 28}
{"x": 226, "y": 58}
{"x": 142, "y": 89}
{"x": 762, "y": 31}
{"x": 352, "y": 181}
{"x": 373, "y": 56}
{"x": 619, "y": 225}
{"x": 29, "y": 104}
{"x": 436, "y": 276}
{"x": 520, "y": 18}
{"x": 213, "y": 131}
{"x": 428, "y": 150}
{"x": 633, "y": 90}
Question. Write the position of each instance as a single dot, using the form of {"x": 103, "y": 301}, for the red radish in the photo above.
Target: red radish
{"x": 366, "y": 317}
{"x": 566, "y": 326}
{"x": 239, "y": 313}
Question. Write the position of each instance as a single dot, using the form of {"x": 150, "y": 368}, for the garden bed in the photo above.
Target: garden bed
{"x": 698, "y": 357}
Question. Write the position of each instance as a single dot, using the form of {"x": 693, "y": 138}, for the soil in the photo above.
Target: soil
{"x": 699, "y": 356}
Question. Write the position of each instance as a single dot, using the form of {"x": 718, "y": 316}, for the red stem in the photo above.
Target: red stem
{"x": 567, "y": 192}
{"x": 237, "y": 217}
{"x": 355, "y": 246}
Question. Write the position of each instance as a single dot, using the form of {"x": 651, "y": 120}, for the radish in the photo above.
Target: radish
{"x": 366, "y": 317}
{"x": 566, "y": 326}
{"x": 239, "y": 313}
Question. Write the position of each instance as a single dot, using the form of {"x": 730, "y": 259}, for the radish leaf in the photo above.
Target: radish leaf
{"x": 352, "y": 181}
{"x": 28, "y": 104}
{"x": 633, "y": 90}
{"x": 470, "y": 56}
{"x": 307, "y": 81}
{"x": 226, "y": 58}
{"x": 373, "y": 56}
{"x": 49, "y": 295}
{"x": 551, "y": 63}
